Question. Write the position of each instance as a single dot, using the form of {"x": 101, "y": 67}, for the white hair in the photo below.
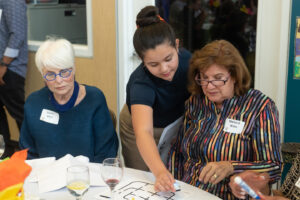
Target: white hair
{"x": 55, "y": 53}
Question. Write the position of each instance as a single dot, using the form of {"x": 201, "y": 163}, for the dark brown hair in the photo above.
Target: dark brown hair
{"x": 223, "y": 53}
{"x": 151, "y": 31}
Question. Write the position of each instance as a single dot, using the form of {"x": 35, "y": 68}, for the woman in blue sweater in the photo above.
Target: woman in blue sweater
{"x": 66, "y": 117}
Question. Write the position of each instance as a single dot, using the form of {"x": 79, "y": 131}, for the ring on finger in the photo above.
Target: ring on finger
{"x": 215, "y": 176}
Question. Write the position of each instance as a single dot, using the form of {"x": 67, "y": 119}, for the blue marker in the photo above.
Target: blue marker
{"x": 238, "y": 180}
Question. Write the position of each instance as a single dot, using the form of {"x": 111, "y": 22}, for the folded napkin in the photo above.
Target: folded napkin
{"x": 14, "y": 170}
{"x": 53, "y": 176}
{"x": 37, "y": 164}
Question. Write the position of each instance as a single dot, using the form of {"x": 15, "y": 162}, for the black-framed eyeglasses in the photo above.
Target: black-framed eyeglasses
{"x": 203, "y": 82}
{"x": 51, "y": 76}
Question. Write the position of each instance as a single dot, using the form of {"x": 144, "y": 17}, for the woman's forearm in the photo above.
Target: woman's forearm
{"x": 149, "y": 153}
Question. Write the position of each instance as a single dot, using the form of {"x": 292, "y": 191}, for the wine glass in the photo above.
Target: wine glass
{"x": 2, "y": 145}
{"x": 112, "y": 172}
{"x": 78, "y": 180}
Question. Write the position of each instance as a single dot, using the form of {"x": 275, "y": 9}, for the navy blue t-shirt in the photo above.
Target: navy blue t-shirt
{"x": 165, "y": 97}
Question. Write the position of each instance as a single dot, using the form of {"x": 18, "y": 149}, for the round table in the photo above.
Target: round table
{"x": 134, "y": 183}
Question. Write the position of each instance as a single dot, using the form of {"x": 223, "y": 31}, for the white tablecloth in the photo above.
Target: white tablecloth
{"x": 131, "y": 177}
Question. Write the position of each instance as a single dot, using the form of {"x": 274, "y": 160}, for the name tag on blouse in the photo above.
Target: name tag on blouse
{"x": 298, "y": 183}
{"x": 234, "y": 126}
{"x": 0, "y": 14}
{"x": 49, "y": 116}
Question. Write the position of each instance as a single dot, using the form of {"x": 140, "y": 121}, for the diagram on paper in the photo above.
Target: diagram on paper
{"x": 139, "y": 190}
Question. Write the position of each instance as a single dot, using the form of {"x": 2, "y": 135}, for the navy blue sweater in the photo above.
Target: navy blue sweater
{"x": 85, "y": 129}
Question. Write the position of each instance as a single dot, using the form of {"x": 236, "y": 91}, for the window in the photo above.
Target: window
{"x": 70, "y": 19}
{"x": 198, "y": 22}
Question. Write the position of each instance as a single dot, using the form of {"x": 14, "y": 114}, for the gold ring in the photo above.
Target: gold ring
{"x": 215, "y": 176}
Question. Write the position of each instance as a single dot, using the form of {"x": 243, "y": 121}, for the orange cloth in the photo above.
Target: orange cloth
{"x": 14, "y": 170}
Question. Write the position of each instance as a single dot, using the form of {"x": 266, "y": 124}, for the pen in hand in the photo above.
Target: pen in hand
{"x": 238, "y": 180}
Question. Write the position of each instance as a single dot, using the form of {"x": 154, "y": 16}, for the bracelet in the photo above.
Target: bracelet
{"x": 3, "y": 63}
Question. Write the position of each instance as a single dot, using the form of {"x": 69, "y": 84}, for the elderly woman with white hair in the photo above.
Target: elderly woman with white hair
{"x": 66, "y": 117}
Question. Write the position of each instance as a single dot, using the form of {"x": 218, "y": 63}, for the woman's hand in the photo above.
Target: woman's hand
{"x": 164, "y": 182}
{"x": 214, "y": 172}
{"x": 257, "y": 181}
{"x": 3, "y": 70}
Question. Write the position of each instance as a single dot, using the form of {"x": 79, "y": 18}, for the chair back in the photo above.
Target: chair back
{"x": 113, "y": 118}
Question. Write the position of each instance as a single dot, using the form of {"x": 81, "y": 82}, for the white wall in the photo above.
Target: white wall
{"x": 272, "y": 45}
{"x": 127, "y": 60}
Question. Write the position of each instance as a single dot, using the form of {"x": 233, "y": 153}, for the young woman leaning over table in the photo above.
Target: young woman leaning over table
{"x": 156, "y": 93}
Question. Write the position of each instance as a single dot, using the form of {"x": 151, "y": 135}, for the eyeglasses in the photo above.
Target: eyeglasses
{"x": 203, "y": 82}
{"x": 51, "y": 76}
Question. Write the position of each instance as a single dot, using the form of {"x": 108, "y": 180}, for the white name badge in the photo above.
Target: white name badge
{"x": 0, "y": 14}
{"x": 234, "y": 126}
{"x": 49, "y": 116}
{"x": 298, "y": 183}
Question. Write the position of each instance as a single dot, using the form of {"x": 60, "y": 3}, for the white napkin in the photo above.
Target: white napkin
{"x": 37, "y": 164}
{"x": 52, "y": 175}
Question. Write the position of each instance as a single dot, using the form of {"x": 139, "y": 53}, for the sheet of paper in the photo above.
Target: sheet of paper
{"x": 168, "y": 135}
{"x": 138, "y": 189}
{"x": 37, "y": 164}
{"x": 53, "y": 176}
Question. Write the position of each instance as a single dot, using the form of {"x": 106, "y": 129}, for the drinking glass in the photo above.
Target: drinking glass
{"x": 2, "y": 145}
{"x": 78, "y": 180}
{"x": 112, "y": 172}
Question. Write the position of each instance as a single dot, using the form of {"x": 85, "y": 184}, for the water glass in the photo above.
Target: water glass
{"x": 78, "y": 180}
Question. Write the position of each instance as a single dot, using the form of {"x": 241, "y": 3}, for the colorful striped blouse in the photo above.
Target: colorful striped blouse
{"x": 203, "y": 139}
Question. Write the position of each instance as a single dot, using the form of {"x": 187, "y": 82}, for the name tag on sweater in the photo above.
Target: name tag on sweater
{"x": 234, "y": 126}
{"x": 49, "y": 116}
{"x": 298, "y": 183}
{"x": 0, "y": 14}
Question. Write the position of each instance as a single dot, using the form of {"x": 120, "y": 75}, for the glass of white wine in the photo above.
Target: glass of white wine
{"x": 2, "y": 145}
{"x": 112, "y": 173}
{"x": 78, "y": 180}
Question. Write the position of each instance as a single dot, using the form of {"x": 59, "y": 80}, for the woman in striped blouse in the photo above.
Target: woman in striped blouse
{"x": 228, "y": 128}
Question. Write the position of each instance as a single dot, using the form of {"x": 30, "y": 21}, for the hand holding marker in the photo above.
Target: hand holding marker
{"x": 238, "y": 180}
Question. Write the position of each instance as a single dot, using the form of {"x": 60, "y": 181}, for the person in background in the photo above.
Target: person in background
{"x": 13, "y": 65}
{"x": 228, "y": 128}
{"x": 234, "y": 31}
{"x": 66, "y": 117}
{"x": 259, "y": 182}
{"x": 177, "y": 19}
{"x": 156, "y": 93}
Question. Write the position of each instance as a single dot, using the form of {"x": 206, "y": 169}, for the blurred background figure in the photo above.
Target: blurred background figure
{"x": 13, "y": 66}
{"x": 234, "y": 31}
{"x": 177, "y": 19}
